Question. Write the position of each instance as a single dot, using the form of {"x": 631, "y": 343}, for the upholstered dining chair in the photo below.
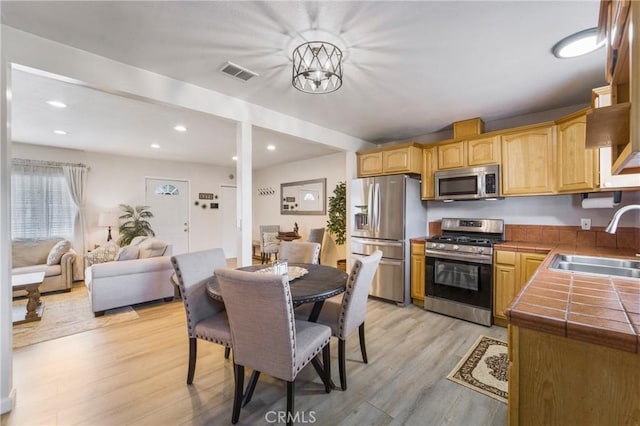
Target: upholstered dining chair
{"x": 269, "y": 243}
{"x": 265, "y": 335}
{"x": 294, "y": 252}
{"x": 316, "y": 235}
{"x": 206, "y": 318}
{"x": 347, "y": 311}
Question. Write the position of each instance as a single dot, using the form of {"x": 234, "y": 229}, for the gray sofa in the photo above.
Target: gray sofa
{"x": 30, "y": 255}
{"x": 118, "y": 283}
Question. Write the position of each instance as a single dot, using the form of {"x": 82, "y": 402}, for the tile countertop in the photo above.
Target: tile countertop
{"x": 604, "y": 310}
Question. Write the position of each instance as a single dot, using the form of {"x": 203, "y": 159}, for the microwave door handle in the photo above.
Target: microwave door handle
{"x": 481, "y": 185}
{"x": 377, "y": 207}
{"x": 370, "y": 208}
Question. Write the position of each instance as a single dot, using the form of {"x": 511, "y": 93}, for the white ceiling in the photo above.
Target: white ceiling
{"x": 411, "y": 68}
{"x": 102, "y": 122}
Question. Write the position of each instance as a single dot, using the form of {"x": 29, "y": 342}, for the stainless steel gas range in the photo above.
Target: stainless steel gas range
{"x": 458, "y": 276}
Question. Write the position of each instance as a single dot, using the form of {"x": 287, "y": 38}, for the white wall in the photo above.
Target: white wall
{"x": 266, "y": 208}
{"x": 114, "y": 180}
{"x": 541, "y": 210}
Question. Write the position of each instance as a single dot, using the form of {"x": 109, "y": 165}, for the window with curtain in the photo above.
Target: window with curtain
{"x": 41, "y": 206}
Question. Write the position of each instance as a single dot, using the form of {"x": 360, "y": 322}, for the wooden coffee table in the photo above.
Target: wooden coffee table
{"x": 31, "y": 283}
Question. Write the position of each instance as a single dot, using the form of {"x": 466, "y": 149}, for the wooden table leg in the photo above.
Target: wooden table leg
{"x": 33, "y": 293}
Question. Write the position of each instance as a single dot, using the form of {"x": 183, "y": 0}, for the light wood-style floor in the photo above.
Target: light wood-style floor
{"x": 134, "y": 373}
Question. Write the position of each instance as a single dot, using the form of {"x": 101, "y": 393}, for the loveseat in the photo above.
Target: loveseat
{"x": 142, "y": 274}
{"x": 39, "y": 255}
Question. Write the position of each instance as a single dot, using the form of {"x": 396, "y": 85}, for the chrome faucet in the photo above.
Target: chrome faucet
{"x": 613, "y": 225}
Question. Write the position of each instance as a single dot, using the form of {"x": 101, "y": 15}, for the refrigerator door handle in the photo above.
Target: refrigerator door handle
{"x": 370, "y": 214}
{"x": 392, "y": 262}
{"x": 377, "y": 197}
{"x": 377, "y": 243}
{"x": 382, "y": 261}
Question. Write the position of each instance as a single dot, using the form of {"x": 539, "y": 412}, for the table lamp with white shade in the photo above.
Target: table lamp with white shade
{"x": 108, "y": 219}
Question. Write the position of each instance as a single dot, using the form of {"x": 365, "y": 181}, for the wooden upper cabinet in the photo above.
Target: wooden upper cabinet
{"x": 452, "y": 155}
{"x": 396, "y": 160}
{"x": 429, "y": 167}
{"x": 405, "y": 158}
{"x": 483, "y": 151}
{"x": 370, "y": 164}
{"x": 577, "y": 167}
{"x": 619, "y": 123}
{"x": 473, "y": 152}
{"x": 528, "y": 162}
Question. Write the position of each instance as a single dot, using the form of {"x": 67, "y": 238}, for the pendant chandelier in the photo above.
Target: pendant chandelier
{"x": 317, "y": 67}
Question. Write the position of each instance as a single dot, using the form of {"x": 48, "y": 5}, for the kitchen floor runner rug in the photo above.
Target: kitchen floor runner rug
{"x": 484, "y": 368}
{"x": 65, "y": 314}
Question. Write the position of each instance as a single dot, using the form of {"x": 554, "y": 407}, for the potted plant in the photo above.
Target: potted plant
{"x": 337, "y": 222}
{"x": 134, "y": 223}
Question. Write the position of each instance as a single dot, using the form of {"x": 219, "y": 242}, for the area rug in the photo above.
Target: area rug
{"x": 484, "y": 368}
{"x": 65, "y": 314}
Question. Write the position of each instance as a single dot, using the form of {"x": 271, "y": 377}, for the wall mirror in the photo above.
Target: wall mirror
{"x": 303, "y": 197}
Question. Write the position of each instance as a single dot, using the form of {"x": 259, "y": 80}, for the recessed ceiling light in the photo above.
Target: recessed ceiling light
{"x": 180, "y": 128}
{"x": 234, "y": 158}
{"x": 155, "y": 146}
{"x": 577, "y": 44}
{"x": 271, "y": 147}
{"x": 59, "y": 132}
{"x": 57, "y": 104}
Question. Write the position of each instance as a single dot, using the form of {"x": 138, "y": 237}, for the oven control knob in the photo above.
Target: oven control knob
{"x": 480, "y": 250}
{"x": 441, "y": 246}
{"x": 456, "y": 247}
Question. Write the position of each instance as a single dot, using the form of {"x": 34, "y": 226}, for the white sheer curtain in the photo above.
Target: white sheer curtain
{"x": 76, "y": 177}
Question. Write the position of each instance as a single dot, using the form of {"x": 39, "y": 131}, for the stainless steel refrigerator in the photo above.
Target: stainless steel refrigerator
{"x": 387, "y": 211}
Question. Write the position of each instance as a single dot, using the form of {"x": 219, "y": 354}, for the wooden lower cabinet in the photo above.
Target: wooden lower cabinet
{"x": 417, "y": 273}
{"x": 555, "y": 380}
{"x": 511, "y": 271}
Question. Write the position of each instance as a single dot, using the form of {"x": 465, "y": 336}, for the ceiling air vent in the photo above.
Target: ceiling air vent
{"x": 237, "y": 71}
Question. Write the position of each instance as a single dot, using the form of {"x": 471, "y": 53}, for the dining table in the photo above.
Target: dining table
{"x": 309, "y": 283}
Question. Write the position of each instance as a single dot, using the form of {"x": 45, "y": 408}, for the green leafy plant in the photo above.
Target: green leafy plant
{"x": 134, "y": 223}
{"x": 337, "y": 222}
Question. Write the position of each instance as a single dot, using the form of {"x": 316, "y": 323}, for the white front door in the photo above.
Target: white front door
{"x": 229, "y": 221}
{"x": 168, "y": 200}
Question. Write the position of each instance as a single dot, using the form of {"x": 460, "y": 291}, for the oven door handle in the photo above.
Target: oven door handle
{"x": 488, "y": 260}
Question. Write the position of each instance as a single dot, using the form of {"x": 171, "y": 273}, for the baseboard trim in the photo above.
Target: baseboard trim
{"x": 7, "y": 403}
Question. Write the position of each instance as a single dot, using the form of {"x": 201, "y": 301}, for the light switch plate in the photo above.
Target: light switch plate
{"x": 585, "y": 223}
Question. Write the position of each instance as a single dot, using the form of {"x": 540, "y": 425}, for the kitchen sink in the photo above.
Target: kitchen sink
{"x": 596, "y": 265}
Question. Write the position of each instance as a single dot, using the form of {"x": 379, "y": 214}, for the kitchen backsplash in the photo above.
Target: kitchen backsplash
{"x": 625, "y": 237}
{"x": 556, "y": 210}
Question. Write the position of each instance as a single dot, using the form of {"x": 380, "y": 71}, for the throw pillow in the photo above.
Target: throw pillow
{"x": 137, "y": 240}
{"x": 270, "y": 240}
{"x": 128, "y": 253}
{"x": 56, "y": 252}
{"x": 152, "y": 247}
{"x": 104, "y": 253}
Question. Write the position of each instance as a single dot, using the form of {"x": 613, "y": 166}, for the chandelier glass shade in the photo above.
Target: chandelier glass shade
{"x": 317, "y": 67}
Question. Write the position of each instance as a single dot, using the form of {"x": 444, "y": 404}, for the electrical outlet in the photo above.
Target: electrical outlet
{"x": 585, "y": 223}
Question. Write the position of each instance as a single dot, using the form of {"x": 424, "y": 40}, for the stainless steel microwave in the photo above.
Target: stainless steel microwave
{"x": 468, "y": 183}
